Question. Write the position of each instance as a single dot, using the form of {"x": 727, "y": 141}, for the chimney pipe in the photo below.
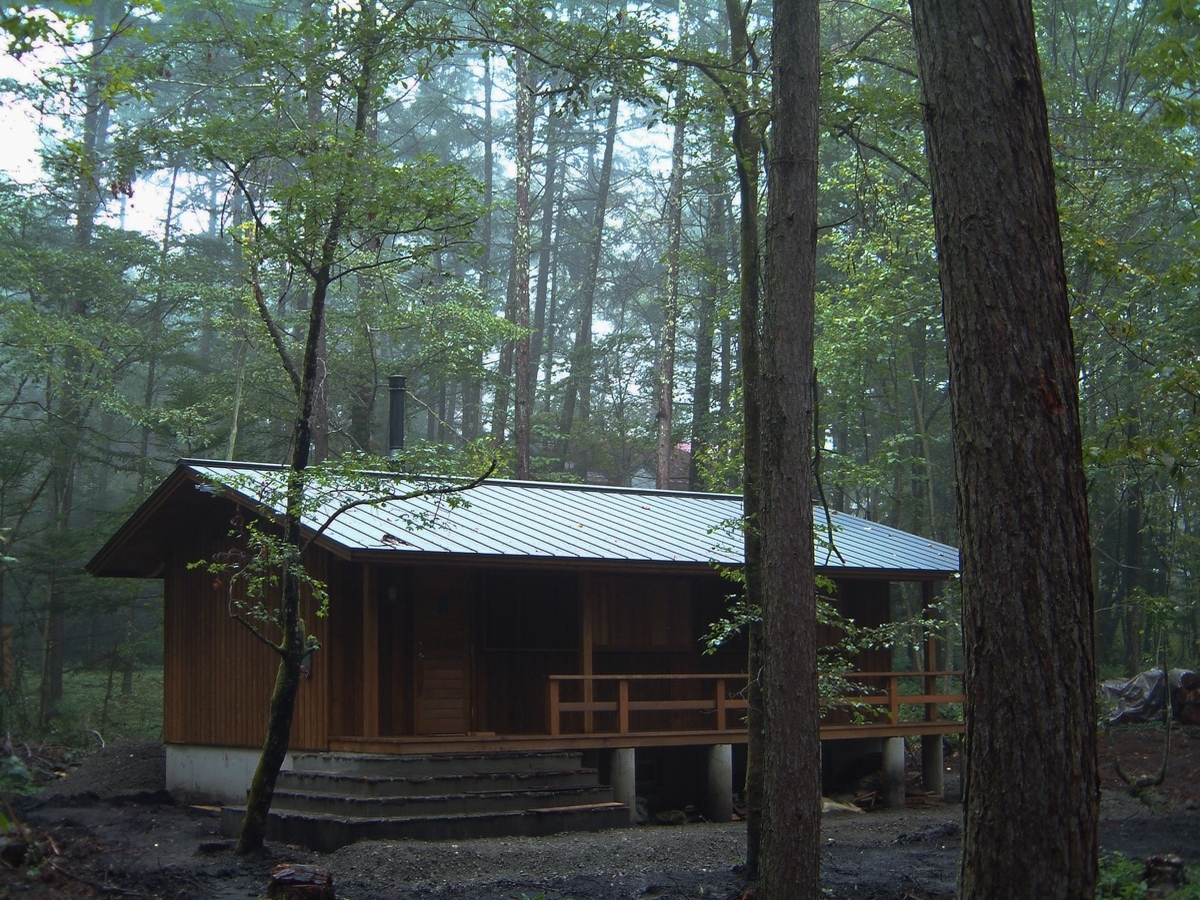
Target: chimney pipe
{"x": 396, "y": 389}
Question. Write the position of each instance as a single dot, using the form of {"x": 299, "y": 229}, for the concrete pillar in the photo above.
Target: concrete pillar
{"x": 893, "y": 772}
{"x": 933, "y": 767}
{"x": 719, "y": 803}
{"x": 623, "y": 775}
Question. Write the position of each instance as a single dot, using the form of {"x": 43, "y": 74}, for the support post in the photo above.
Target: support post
{"x": 719, "y": 800}
{"x": 933, "y": 767}
{"x": 893, "y": 771}
{"x": 370, "y": 653}
{"x": 623, "y": 775}
{"x": 932, "y": 764}
{"x": 585, "y": 650}
{"x": 553, "y": 710}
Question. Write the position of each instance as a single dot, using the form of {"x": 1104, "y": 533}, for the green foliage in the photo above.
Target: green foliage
{"x": 94, "y": 703}
{"x": 1122, "y": 878}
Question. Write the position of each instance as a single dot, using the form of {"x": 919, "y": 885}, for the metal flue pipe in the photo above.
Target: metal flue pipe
{"x": 396, "y": 390}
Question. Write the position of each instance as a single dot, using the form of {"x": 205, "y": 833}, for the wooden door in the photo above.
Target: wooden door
{"x": 441, "y": 662}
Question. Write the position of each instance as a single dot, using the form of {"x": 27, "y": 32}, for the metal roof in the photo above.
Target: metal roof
{"x": 539, "y": 520}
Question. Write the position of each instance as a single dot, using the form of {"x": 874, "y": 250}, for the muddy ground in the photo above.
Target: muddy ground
{"x": 108, "y": 829}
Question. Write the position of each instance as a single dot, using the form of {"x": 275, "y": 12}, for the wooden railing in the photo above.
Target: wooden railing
{"x": 716, "y": 699}
{"x": 888, "y": 698}
{"x": 716, "y": 695}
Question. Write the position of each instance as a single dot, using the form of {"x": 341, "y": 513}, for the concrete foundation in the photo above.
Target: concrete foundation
{"x": 719, "y": 797}
{"x": 893, "y": 771}
{"x": 202, "y": 774}
{"x": 623, "y": 777}
{"x": 933, "y": 768}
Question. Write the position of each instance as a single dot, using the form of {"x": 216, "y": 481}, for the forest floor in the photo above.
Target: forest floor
{"x": 109, "y": 829}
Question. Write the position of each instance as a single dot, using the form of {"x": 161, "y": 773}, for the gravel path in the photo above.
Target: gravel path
{"x": 661, "y": 861}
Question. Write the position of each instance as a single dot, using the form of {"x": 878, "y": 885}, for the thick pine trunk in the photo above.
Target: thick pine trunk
{"x": 1027, "y": 588}
{"x": 789, "y": 861}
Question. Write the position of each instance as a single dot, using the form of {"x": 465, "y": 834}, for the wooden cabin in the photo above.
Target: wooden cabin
{"x": 530, "y": 616}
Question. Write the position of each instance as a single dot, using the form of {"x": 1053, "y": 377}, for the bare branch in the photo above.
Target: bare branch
{"x": 410, "y": 495}
{"x": 278, "y": 338}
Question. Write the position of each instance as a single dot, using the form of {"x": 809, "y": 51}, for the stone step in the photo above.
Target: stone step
{"x": 441, "y": 804}
{"x": 325, "y": 832}
{"x": 348, "y": 785}
{"x": 382, "y": 765}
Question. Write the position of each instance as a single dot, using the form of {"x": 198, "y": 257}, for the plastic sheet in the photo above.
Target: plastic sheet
{"x": 1141, "y": 698}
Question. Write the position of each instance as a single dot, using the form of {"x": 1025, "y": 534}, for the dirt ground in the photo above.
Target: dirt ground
{"x": 108, "y": 829}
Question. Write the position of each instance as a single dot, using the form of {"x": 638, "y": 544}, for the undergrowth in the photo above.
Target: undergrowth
{"x": 94, "y": 708}
{"x": 1122, "y": 878}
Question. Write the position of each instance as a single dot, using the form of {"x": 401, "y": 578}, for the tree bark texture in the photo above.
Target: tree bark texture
{"x": 716, "y": 252}
{"x": 522, "y": 251}
{"x": 1022, "y": 513}
{"x": 665, "y": 417}
{"x": 789, "y": 861}
{"x": 579, "y": 384}
{"x": 747, "y": 148}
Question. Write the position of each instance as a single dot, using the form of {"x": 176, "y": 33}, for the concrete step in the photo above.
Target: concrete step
{"x": 469, "y": 803}
{"x": 325, "y": 832}
{"x": 383, "y": 765}
{"x": 348, "y": 785}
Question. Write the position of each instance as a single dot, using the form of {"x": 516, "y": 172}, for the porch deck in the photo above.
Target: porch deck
{"x": 613, "y": 711}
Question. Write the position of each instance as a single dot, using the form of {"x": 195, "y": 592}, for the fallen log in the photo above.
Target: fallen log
{"x": 296, "y": 882}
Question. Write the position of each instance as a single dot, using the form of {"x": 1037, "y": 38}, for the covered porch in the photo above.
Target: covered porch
{"x": 469, "y": 660}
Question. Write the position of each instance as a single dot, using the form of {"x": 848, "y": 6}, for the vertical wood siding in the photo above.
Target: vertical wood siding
{"x": 217, "y": 677}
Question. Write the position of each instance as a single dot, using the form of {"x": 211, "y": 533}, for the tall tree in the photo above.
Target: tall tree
{"x": 665, "y": 416}
{"x": 789, "y": 862}
{"x": 1022, "y": 509}
{"x": 747, "y": 147}
{"x": 521, "y": 254}
{"x": 579, "y": 384}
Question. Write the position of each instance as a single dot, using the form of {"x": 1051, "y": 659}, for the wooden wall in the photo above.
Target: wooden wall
{"x": 217, "y": 677}
{"x": 525, "y": 626}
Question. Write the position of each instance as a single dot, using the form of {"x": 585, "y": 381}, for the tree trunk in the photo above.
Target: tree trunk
{"x": 292, "y": 644}
{"x": 545, "y": 245}
{"x": 1132, "y": 620}
{"x": 789, "y": 858}
{"x": 747, "y": 146}
{"x": 70, "y": 410}
{"x": 1022, "y": 510}
{"x": 716, "y": 252}
{"x": 522, "y": 251}
{"x": 666, "y": 371}
{"x": 472, "y": 414}
{"x": 579, "y": 384}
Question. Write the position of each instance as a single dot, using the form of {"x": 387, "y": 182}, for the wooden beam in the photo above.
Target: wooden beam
{"x": 370, "y": 652}
{"x": 586, "y": 639}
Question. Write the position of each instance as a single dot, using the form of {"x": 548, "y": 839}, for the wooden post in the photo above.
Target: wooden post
{"x": 931, "y": 709}
{"x": 894, "y": 697}
{"x": 719, "y": 700}
{"x": 932, "y": 764}
{"x": 585, "y": 649}
{"x": 370, "y": 652}
{"x": 553, "y": 707}
{"x": 623, "y": 706}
